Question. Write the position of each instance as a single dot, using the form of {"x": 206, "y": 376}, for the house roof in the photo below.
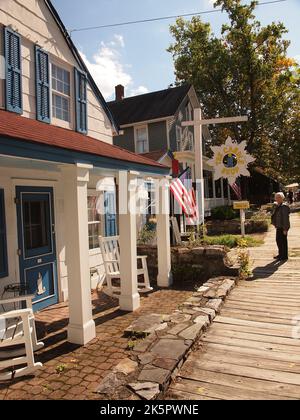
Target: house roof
{"x": 155, "y": 155}
{"x": 14, "y": 126}
{"x": 81, "y": 63}
{"x": 149, "y": 106}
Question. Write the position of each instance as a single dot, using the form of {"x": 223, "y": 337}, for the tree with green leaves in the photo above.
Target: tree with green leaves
{"x": 244, "y": 71}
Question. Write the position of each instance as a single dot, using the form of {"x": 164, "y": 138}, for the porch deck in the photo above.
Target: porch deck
{"x": 82, "y": 368}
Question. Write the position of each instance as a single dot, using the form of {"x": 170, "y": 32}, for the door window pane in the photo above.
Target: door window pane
{"x": 36, "y": 224}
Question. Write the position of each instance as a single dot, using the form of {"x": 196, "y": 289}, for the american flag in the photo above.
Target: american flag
{"x": 185, "y": 196}
{"x": 237, "y": 190}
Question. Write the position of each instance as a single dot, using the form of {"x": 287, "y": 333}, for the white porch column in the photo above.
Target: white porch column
{"x": 222, "y": 191}
{"x": 164, "y": 278}
{"x": 199, "y": 162}
{"x": 214, "y": 191}
{"x": 129, "y": 298}
{"x": 81, "y": 328}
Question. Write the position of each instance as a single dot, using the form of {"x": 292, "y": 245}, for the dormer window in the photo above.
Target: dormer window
{"x": 60, "y": 93}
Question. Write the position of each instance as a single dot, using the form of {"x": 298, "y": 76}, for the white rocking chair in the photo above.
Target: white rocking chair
{"x": 110, "y": 251}
{"x": 18, "y": 339}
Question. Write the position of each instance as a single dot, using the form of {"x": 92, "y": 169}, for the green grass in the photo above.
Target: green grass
{"x": 232, "y": 241}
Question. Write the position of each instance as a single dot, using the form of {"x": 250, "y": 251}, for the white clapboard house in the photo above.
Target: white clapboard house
{"x": 56, "y": 146}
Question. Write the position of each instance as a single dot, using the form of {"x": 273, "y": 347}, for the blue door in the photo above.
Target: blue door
{"x": 36, "y": 238}
{"x": 110, "y": 213}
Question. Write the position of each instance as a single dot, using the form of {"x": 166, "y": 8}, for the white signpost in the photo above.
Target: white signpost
{"x": 242, "y": 206}
{"x": 198, "y": 123}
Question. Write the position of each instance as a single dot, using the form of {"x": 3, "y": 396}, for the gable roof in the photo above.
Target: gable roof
{"x": 157, "y": 155}
{"x": 149, "y": 106}
{"x": 81, "y": 63}
{"x": 16, "y": 127}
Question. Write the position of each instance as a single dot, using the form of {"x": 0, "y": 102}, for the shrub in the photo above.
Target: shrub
{"x": 229, "y": 241}
{"x": 147, "y": 234}
{"x": 224, "y": 213}
{"x": 244, "y": 261}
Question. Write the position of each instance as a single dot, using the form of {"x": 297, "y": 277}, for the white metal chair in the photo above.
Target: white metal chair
{"x": 110, "y": 250}
{"x": 18, "y": 339}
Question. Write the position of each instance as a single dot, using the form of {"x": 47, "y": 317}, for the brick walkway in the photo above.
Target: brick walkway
{"x": 84, "y": 367}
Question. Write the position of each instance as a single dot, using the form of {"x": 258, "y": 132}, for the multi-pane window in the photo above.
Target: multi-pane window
{"x": 60, "y": 93}
{"x": 142, "y": 145}
{"x": 94, "y": 222}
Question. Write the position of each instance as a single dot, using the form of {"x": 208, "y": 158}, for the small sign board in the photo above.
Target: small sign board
{"x": 241, "y": 205}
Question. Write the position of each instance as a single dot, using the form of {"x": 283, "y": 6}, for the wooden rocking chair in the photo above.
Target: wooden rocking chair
{"x": 110, "y": 251}
{"x": 18, "y": 339}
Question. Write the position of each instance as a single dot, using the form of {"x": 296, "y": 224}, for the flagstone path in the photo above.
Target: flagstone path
{"x": 252, "y": 349}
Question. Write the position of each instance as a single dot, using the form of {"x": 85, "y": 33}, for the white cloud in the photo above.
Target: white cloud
{"x": 108, "y": 70}
{"x": 138, "y": 91}
{"x": 297, "y": 58}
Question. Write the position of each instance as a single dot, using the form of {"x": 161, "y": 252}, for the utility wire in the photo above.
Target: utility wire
{"x": 133, "y": 22}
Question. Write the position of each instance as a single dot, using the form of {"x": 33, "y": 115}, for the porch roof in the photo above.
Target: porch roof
{"x": 14, "y": 127}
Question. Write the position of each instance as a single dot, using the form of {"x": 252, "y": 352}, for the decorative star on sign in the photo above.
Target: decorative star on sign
{"x": 230, "y": 160}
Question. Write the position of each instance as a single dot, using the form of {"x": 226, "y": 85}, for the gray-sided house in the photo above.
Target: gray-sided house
{"x": 151, "y": 126}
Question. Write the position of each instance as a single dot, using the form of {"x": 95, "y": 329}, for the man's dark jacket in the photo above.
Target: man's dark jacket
{"x": 281, "y": 217}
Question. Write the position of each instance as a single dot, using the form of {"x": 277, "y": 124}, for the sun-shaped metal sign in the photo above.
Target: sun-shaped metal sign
{"x": 230, "y": 160}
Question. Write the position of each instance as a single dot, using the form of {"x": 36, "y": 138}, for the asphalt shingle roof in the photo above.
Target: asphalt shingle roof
{"x": 17, "y": 127}
{"x": 148, "y": 106}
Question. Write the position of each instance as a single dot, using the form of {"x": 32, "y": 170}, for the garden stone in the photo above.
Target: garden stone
{"x": 145, "y": 390}
{"x": 179, "y": 327}
{"x": 109, "y": 384}
{"x": 145, "y": 324}
{"x": 178, "y": 317}
{"x": 214, "y": 304}
{"x": 154, "y": 374}
{"x": 146, "y": 358}
{"x": 203, "y": 289}
{"x": 202, "y": 320}
{"x": 172, "y": 349}
{"x": 126, "y": 366}
{"x": 192, "y": 332}
{"x": 164, "y": 363}
{"x": 143, "y": 345}
{"x": 207, "y": 311}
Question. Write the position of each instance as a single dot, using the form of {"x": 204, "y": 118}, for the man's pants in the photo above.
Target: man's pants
{"x": 282, "y": 244}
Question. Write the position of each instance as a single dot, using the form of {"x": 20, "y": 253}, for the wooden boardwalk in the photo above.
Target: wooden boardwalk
{"x": 251, "y": 350}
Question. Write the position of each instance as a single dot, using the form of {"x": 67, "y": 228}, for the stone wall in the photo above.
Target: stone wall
{"x": 196, "y": 264}
{"x": 233, "y": 227}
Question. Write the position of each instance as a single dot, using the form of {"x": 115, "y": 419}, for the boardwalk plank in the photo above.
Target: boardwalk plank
{"x": 249, "y": 351}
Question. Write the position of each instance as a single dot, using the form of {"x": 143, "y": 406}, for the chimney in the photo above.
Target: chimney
{"x": 119, "y": 90}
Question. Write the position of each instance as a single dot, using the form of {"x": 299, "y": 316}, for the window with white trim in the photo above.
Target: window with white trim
{"x": 94, "y": 221}
{"x": 141, "y": 140}
{"x": 61, "y": 91}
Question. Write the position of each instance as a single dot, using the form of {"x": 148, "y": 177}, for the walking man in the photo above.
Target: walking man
{"x": 281, "y": 221}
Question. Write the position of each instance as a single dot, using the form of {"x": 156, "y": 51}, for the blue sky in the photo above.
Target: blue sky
{"x": 136, "y": 55}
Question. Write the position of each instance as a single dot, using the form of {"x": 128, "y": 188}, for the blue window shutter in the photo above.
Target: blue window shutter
{"x": 3, "y": 245}
{"x": 110, "y": 213}
{"x": 81, "y": 101}
{"x": 13, "y": 71}
{"x": 42, "y": 85}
